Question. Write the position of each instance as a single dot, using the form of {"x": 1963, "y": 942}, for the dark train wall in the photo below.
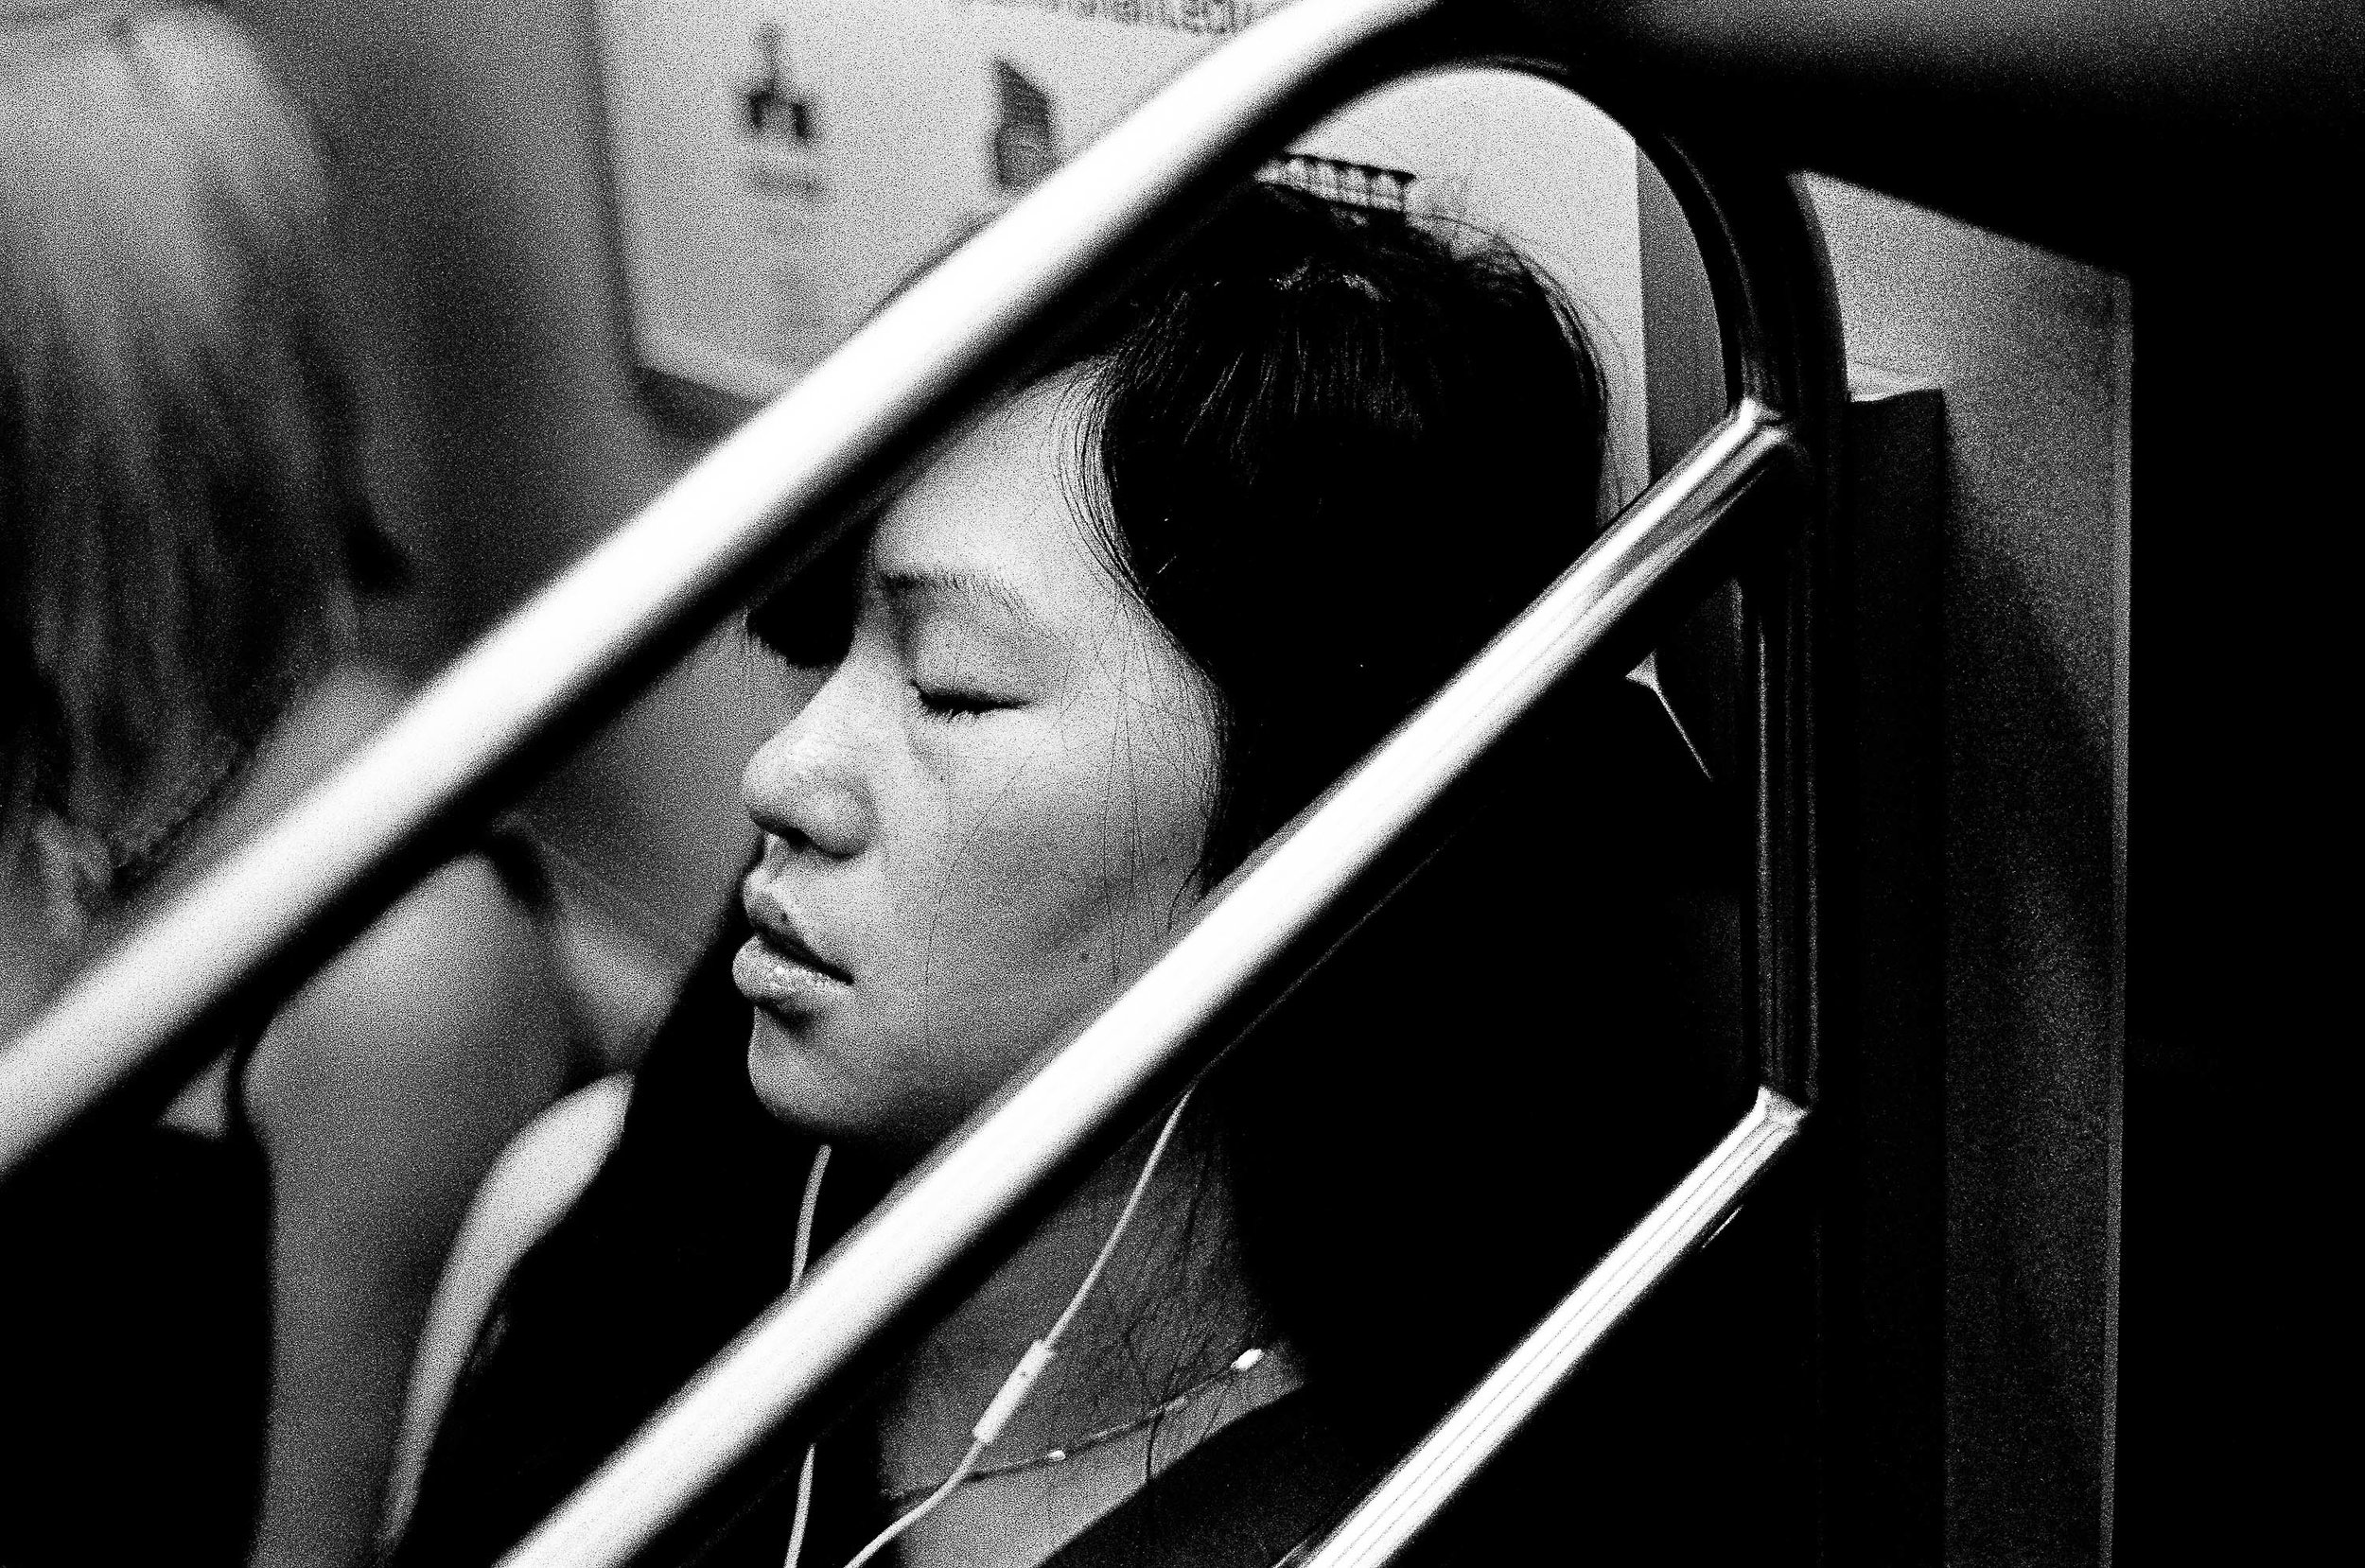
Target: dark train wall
{"x": 2017, "y": 1026}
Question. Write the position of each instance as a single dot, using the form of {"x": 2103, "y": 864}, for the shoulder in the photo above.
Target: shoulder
{"x": 453, "y": 989}
{"x": 450, "y": 998}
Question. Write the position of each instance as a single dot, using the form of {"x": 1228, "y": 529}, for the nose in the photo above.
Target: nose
{"x": 805, "y": 786}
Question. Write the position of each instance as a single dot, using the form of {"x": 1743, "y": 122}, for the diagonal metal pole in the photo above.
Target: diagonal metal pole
{"x": 1492, "y": 1413}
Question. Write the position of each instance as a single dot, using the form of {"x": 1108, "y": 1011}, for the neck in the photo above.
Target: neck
{"x": 1171, "y": 1309}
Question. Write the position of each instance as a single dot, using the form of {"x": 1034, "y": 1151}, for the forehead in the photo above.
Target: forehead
{"x": 993, "y": 522}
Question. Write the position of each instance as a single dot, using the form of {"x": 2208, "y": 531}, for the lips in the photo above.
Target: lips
{"x": 776, "y": 967}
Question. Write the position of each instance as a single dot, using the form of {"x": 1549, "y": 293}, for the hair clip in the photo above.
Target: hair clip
{"x": 1364, "y": 185}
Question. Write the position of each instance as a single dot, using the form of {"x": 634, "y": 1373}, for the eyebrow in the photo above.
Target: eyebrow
{"x": 900, "y": 587}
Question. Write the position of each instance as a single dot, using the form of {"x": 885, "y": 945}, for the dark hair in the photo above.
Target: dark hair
{"x": 181, "y": 503}
{"x": 1331, "y": 453}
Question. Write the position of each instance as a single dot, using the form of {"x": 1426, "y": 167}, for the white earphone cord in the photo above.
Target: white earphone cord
{"x": 805, "y": 1210}
{"x": 1021, "y": 1382}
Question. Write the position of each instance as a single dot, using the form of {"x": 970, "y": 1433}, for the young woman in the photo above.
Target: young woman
{"x": 1117, "y": 633}
{"x": 206, "y": 1324}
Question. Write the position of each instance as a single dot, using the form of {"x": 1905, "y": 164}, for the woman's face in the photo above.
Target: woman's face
{"x": 987, "y": 817}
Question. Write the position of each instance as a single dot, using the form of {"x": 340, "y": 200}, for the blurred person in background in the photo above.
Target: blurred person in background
{"x": 206, "y": 1324}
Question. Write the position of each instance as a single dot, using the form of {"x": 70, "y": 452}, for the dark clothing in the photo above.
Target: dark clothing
{"x": 136, "y": 1332}
{"x": 134, "y": 1352}
{"x": 1244, "y": 1498}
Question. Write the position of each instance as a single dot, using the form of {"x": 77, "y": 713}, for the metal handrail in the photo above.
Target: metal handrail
{"x": 1455, "y": 1450}
{"x": 772, "y": 496}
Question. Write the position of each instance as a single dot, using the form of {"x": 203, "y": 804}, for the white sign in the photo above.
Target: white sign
{"x": 782, "y": 165}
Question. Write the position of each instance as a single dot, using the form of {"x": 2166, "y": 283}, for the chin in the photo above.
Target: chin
{"x": 789, "y": 1078}
{"x": 798, "y": 1083}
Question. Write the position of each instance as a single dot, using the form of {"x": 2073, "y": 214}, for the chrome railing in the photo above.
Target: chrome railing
{"x": 1454, "y": 1451}
{"x": 771, "y": 497}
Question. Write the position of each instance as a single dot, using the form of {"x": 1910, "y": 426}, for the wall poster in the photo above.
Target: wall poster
{"x": 781, "y": 166}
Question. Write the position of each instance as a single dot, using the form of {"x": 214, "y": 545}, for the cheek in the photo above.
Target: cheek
{"x": 1076, "y": 855}
{"x": 1129, "y": 842}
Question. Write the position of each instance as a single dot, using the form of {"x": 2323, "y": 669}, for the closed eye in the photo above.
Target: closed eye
{"x": 947, "y": 704}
